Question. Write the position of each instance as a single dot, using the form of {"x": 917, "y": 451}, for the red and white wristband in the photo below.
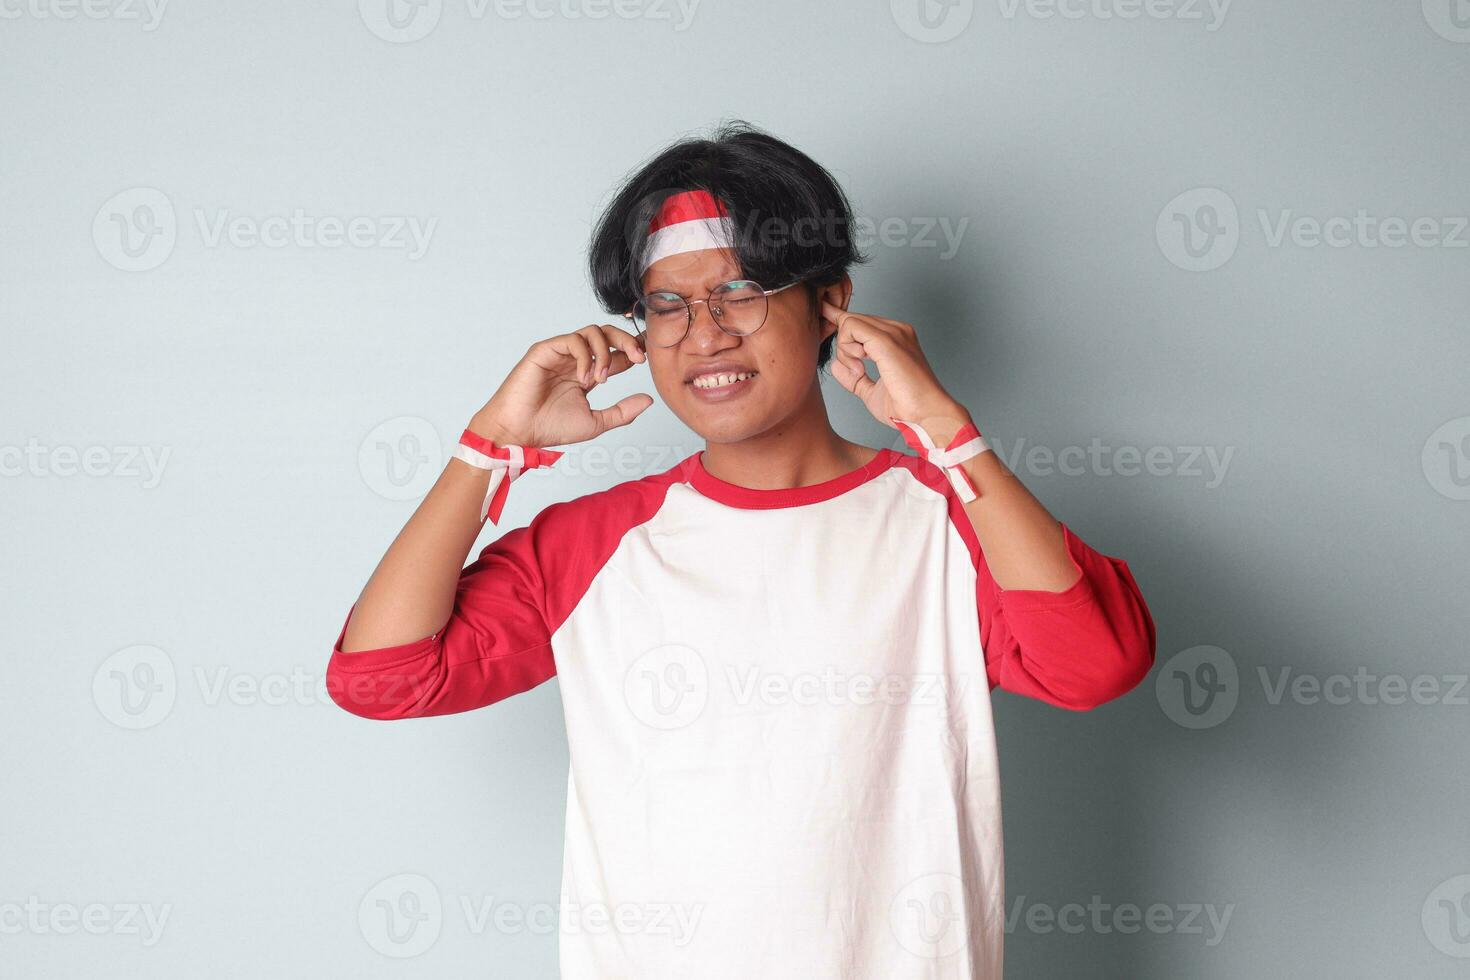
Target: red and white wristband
{"x": 505, "y": 463}
{"x": 966, "y": 444}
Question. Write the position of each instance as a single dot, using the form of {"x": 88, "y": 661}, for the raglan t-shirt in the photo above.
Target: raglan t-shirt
{"x": 777, "y": 705}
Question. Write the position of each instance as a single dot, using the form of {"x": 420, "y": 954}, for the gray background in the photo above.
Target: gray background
{"x": 299, "y": 391}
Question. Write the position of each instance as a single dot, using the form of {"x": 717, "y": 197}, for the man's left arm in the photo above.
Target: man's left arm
{"x": 1060, "y": 621}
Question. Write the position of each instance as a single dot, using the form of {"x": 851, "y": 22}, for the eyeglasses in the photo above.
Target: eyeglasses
{"x": 738, "y": 307}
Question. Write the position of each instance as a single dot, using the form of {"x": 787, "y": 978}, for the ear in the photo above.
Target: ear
{"x": 839, "y": 294}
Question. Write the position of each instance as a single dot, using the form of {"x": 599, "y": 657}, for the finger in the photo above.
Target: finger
{"x": 850, "y": 373}
{"x": 575, "y": 346}
{"x": 621, "y": 346}
{"x": 625, "y": 341}
{"x": 621, "y": 413}
{"x": 616, "y": 362}
{"x": 848, "y": 368}
{"x": 597, "y": 343}
{"x": 831, "y": 311}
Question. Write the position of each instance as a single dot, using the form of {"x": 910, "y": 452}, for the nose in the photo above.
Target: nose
{"x": 703, "y": 329}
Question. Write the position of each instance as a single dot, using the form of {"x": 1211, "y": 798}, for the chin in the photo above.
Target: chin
{"x": 714, "y": 425}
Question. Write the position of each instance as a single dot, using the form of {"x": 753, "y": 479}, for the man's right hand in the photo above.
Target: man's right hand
{"x": 543, "y": 401}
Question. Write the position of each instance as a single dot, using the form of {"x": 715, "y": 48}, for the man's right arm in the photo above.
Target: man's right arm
{"x": 427, "y": 635}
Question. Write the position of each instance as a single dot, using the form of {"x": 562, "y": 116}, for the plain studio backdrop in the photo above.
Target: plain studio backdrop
{"x": 1199, "y": 271}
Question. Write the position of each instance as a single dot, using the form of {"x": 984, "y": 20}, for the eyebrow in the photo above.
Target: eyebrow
{"x": 663, "y": 289}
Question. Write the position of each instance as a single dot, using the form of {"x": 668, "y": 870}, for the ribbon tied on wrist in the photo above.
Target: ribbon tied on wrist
{"x": 966, "y": 444}
{"x": 505, "y": 463}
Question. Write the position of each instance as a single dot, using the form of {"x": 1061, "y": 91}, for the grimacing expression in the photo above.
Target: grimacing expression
{"x": 782, "y": 354}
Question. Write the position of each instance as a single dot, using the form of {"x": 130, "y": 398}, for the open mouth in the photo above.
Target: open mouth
{"x": 714, "y": 382}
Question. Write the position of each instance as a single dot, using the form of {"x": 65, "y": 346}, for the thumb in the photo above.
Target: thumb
{"x": 621, "y": 413}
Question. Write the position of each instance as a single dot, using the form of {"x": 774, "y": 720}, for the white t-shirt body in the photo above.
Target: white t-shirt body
{"x": 777, "y": 705}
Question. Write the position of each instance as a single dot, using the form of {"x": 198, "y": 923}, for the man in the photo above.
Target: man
{"x": 775, "y": 657}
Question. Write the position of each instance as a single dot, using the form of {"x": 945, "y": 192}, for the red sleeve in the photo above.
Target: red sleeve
{"x": 497, "y": 643}
{"x": 510, "y": 602}
{"x": 1075, "y": 649}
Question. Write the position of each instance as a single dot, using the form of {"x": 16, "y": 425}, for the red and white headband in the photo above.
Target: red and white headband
{"x": 688, "y": 222}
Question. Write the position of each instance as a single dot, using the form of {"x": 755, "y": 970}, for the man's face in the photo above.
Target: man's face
{"x": 781, "y": 355}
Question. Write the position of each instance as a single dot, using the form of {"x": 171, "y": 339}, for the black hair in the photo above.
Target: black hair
{"x": 792, "y": 220}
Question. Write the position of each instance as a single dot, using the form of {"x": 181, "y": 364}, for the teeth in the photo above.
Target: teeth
{"x": 720, "y": 380}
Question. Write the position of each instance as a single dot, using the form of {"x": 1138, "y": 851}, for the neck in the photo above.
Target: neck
{"x": 799, "y": 451}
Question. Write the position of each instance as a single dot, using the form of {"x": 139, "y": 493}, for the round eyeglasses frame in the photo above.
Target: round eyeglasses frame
{"x": 709, "y": 302}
